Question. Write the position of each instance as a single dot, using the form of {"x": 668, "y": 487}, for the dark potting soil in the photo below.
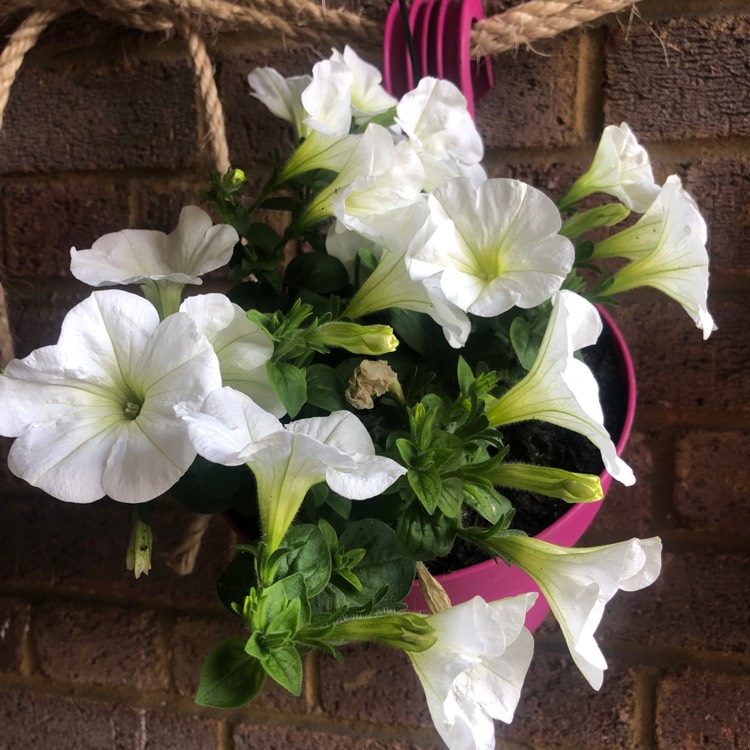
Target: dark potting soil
{"x": 545, "y": 444}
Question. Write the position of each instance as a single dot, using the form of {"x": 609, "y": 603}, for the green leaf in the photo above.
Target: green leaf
{"x": 427, "y": 486}
{"x": 284, "y": 665}
{"x": 451, "y": 497}
{"x": 486, "y": 501}
{"x": 525, "y": 342}
{"x": 317, "y": 272}
{"x": 382, "y": 565}
{"x": 288, "y": 621}
{"x": 289, "y": 384}
{"x": 408, "y": 451}
{"x": 230, "y": 677}
{"x": 421, "y": 536}
{"x": 236, "y": 580}
{"x": 325, "y": 388}
{"x": 310, "y": 556}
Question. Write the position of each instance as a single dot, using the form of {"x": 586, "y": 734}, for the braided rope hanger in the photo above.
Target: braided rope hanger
{"x": 298, "y": 20}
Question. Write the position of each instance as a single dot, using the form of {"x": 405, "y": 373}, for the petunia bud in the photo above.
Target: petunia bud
{"x": 372, "y": 340}
{"x": 564, "y": 485}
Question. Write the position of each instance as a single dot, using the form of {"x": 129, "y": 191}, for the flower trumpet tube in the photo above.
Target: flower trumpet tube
{"x": 668, "y": 249}
{"x": 578, "y": 583}
{"x": 559, "y": 388}
{"x": 287, "y": 460}
{"x": 475, "y": 670}
{"x": 621, "y": 168}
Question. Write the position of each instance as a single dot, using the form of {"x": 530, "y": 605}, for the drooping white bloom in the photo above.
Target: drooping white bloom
{"x": 327, "y": 99}
{"x": 241, "y": 346}
{"x": 495, "y": 246}
{"x": 133, "y": 256}
{"x": 668, "y": 249}
{"x": 287, "y": 460}
{"x": 378, "y": 177}
{"x": 437, "y": 122}
{"x": 390, "y": 284}
{"x": 474, "y": 672}
{"x": 621, "y": 168}
{"x": 368, "y": 97}
{"x": 282, "y": 96}
{"x": 561, "y": 389}
{"x": 94, "y": 414}
{"x": 578, "y": 583}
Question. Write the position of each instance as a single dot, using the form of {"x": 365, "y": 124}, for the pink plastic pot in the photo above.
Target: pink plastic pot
{"x": 441, "y": 32}
{"x": 492, "y": 580}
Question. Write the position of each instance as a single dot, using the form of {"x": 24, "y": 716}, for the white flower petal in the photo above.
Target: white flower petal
{"x": 282, "y": 96}
{"x": 578, "y": 583}
{"x": 474, "y": 672}
{"x": 328, "y": 98}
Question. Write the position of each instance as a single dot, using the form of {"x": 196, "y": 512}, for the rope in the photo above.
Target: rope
{"x": 537, "y": 19}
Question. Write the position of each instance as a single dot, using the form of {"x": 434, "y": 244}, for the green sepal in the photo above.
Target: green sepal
{"x": 230, "y": 677}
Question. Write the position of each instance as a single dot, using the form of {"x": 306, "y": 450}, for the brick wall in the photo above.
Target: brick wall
{"x": 104, "y": 136}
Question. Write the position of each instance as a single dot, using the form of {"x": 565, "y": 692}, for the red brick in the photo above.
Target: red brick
{"x": 98, "y": 645}
{"x": 165, "y": 731}
{"x": 377, "y": 685}
{"x": 45, "y": 220}
{"x": 41, "y": 722}
{"x": 713, "y": 482}
{"x": 533, "y": 101}
{"x": 44, "y": 542}
{"x": 100, "y": 117}
{"x": 721, "y": 191}
{"x": 559, "y": 708}
{"x": 159, "y": 205}
{"x": 250, "y": 737}
{"x": 553, "y": 178}
{"x": 699, "y": 602}
{"x": 703, "y": 710}
{"x": 675, "y": 367}
{"x": 626, "y": 511}
{"x": 253, "y": 132}
{"x": 693, "y": 92}
{"x": 45, "y": 722}
{"x": 36, "y": 311}
{"x": 14, "y": 622}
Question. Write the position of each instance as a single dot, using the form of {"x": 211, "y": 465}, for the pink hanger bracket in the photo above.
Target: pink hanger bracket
{"x": 441, "y": 34}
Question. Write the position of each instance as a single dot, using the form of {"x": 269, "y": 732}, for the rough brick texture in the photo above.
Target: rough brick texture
{"x": 678, "y": 79}
{"x": 113, "y": 119}
{"x": 102, "y": 132}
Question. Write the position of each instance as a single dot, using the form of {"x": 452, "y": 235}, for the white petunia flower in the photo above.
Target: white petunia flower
{"x": 94, "y": 414}
{"x": 378, "y": 177}
{"x": 561, "y": 389}
{"x": 621, "y": 168}
{"x": 368, "y": 97}
{"x": 668, "y": 249}
{"x": 390, "y": 284}
{"x": 241, "y": 346}
{"x": 282, "y": 96}
{"x": 287, "y": 460}
{"x": 475, "y": 671}
{"x": 578, "y": 583}
{"x": 442, "y": 132}
{"x": 161, "y": 263}
{"x": 495, "y": 246}
{"x": 327, "y": 99}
